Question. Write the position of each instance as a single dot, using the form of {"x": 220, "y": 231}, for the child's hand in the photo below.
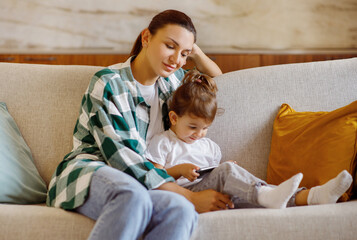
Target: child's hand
{"x": 188, "y": 171}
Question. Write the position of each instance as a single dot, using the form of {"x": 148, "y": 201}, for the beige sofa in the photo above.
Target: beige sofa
{"x": 44, "y": 101}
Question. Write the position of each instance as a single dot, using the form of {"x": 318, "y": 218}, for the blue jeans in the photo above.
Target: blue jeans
{"x": 124, "y": 209}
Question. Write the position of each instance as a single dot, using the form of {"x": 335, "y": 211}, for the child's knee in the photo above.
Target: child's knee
{"x": 227, "y": 166}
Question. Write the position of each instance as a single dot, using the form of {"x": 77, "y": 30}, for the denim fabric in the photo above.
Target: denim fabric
{"x": 124, "y": 209}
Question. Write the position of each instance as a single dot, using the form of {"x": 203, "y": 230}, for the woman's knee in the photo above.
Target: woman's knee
{"x": 122, "y": 188}
{"x": 185, "y": 211}
{"x": 111, "y": 191}
{"x": 136, "y": 196}
{"x": 183, "y": 205}
{"x": 164, "y": 200}
{"x": 133, "y": 196}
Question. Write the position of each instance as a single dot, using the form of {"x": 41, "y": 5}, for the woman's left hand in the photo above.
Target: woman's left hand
{"x": 195, "y": 51}
{"x": 203, "y": 63}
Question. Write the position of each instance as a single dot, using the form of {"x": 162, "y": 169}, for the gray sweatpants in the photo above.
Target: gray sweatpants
{"x": 231, "y": 179}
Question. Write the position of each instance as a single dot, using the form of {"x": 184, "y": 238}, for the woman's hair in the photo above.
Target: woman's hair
{"x": 160, "y": 21}
{"x": 196, "y": 96}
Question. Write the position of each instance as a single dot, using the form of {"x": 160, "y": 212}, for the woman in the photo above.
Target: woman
{"x": 106, "y": 177}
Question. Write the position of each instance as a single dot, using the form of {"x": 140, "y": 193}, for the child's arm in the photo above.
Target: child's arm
{"x": 186, "y": 170}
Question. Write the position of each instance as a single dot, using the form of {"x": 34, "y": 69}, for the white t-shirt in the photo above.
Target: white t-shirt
{"x": 168, "y": 150}
{"x": 151, "y": 96}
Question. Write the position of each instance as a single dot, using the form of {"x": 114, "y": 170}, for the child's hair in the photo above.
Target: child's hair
{"x": 196, "y": 96}
{"x": 161, "y": 20}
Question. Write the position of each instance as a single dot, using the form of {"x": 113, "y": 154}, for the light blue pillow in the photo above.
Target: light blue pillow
{"x": 20, "y": 181}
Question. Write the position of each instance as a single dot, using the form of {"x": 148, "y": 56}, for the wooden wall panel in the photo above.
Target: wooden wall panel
{"x": 9, "y": 58}
{"x": 227, "y": 62}
{"x": 267, "y": 60}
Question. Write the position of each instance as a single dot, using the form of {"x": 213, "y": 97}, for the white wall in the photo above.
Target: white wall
{"x": 222, "y": 25}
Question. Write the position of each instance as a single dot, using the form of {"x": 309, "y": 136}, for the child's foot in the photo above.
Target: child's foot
{"x": 331, "y": 191}
{"x": 279, "y": 196}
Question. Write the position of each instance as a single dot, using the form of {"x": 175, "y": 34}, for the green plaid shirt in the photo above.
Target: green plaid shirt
{"x": 110, "y": 130}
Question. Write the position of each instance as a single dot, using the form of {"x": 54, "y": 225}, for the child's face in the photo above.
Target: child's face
{"x": 188, "y": 128}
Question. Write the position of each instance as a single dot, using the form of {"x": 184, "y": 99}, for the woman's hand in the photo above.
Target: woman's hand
{"x": 203, "y": 63}
{"x": 204, "y": 201}
{"x": 210, "y": 200}
{"x": 195, "y": 51}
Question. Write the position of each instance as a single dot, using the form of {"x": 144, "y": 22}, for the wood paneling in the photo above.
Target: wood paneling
{"x": 9, "y": 58}
{"x": 231, "y": 62}
{"x": 65, "y": 59}
{"x": 267, "y": 60}
{"x": 227, "y": 62}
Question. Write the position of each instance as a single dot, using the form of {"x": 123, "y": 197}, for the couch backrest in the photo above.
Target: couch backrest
{"x": 45, "y": 99}
{"x": 252, "y": 97}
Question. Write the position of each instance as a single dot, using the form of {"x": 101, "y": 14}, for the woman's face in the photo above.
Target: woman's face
{"x": 168, "y": 49}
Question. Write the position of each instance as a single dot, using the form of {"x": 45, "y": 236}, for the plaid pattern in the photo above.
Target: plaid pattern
{"x": 111, "y": 129}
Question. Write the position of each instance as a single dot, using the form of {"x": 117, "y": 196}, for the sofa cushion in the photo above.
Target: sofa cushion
{"x": 36, "y": 221}
{"x": 45, "y": 100}
{"x": 318, "y": 222}
{"x": 252, "y": 98}
{"x": 19, "y": 179}
{"x": 318, "y": 144}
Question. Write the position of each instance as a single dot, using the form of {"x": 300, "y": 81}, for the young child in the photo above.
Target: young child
{"x": 183, "y": 150}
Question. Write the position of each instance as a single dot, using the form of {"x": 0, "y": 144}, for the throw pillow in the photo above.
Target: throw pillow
{"x": 19, "y": 179}
{"x": 318, "y": 144}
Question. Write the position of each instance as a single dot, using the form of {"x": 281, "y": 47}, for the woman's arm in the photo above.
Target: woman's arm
{"x": 204, "y": 201}
{"x": 203, "y": 63}
{"x": 111, "y": 127}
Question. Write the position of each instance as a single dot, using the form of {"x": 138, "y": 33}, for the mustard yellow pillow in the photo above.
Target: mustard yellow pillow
{"x": 318, "y": 144}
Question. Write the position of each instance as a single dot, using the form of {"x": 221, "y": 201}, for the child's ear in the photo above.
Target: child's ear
{"x": 173, "y": 118}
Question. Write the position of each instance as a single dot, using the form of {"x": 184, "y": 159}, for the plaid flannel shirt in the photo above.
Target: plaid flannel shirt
{"x": 111, "y": 129}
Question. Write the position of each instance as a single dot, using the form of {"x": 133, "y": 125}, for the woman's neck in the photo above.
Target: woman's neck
{"x": 142, "y": 71}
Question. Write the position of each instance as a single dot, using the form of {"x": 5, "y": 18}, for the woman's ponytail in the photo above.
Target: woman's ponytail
{"x": 137, "y": 46}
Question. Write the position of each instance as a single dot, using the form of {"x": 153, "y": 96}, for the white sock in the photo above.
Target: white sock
{"x": 331, "y": 191}
{"x": 278, "y": 197}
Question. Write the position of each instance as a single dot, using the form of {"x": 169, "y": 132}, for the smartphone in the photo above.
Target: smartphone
{"x": 204, "y": 171}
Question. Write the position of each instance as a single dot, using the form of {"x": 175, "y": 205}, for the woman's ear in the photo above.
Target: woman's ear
{"x": 145, "y": 37}
{"x": 173, "y": 118}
